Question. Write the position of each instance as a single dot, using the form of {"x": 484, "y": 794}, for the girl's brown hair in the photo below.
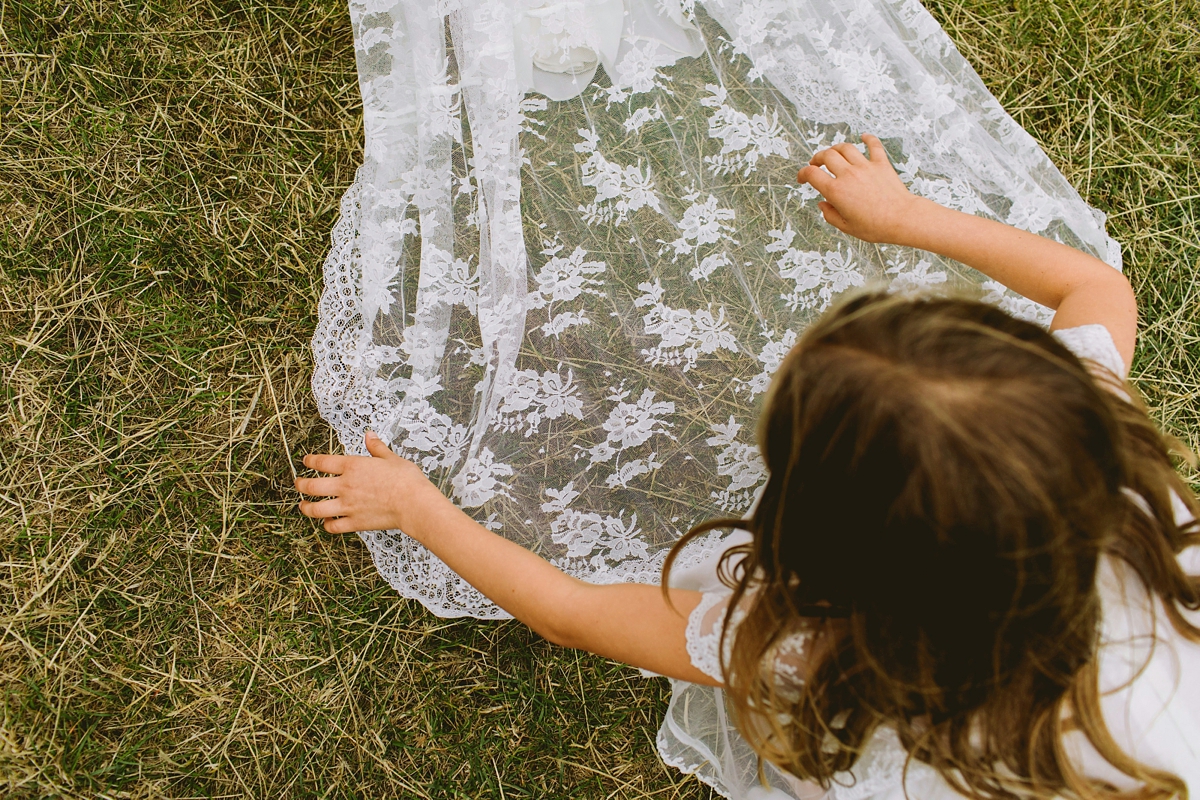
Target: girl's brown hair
{"x": 943, "y": 479}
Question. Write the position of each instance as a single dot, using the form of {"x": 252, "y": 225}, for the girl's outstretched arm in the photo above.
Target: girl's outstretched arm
{"x": 627, "y": 622}
{"x": 865, "y": 198}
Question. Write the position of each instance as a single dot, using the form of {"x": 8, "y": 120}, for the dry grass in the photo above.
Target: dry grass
{"x": 169, "y": 173}
{"x": 1111, "y": 90}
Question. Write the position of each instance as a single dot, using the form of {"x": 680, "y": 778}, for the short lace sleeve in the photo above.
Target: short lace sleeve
{"x": 704, "y": 633}
{"x": 1095, "y": 344}
{"x": 705, "y": 623}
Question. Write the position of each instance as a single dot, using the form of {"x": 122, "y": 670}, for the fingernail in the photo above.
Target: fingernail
{"x": 371, "y": 434}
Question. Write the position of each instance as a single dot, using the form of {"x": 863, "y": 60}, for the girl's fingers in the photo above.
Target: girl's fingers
{"x": 318, "y": 487}
{"x": 832, "y": 160}
{"x": 832, "y": 216}
{"x": 376, "y": 447}
{"x": 875, "y": 148}
{"x": 323, "y": 509}
{"x": 816, "y": 177}
{"x": 322, "y": 462}
{"x": 850, "y": 153}
{"x": 339, "y": 525}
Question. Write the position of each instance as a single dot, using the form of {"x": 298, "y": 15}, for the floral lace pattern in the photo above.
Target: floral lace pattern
{"x": 704, "y": 634}
{"x": 706, "y": 624}
{"x": 575, "y": 251}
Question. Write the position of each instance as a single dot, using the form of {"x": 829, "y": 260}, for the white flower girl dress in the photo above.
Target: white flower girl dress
{"x": 1149, "y": 677}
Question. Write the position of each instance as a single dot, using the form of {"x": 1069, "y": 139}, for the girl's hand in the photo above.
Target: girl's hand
{"x": 627, "y": 621}
{"x": 380, "y": 492}
{"x": 864, "y": 197}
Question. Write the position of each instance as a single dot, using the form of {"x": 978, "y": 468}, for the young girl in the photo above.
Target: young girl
{"x": 972, "y": 569}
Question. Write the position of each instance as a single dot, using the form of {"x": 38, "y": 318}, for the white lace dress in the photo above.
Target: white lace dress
{"x": 576, "y": 251}
{"x": 1151, "y": 676}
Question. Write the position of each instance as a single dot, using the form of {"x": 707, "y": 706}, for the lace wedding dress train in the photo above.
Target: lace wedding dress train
{"x": 576, "y": 251}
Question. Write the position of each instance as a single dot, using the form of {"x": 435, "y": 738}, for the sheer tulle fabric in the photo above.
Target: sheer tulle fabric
{"x": 575, "y": 251}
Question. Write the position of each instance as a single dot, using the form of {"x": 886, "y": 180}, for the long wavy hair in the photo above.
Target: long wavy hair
{"x": 943, "y": 479}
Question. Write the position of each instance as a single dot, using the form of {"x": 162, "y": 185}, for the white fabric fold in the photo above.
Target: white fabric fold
{"x": 559, "y": 44}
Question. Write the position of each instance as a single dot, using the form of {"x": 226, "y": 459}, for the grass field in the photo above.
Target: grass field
{"x": 169, "y": 626}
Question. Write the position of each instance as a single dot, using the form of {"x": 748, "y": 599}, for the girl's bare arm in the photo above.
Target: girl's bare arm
{"x": 865, "y": 198}
{"x": 628, "y": 622}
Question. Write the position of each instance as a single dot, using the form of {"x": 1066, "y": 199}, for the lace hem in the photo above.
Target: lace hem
{"x": 687, "y": 767}
{"x": 417, "y": 574}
